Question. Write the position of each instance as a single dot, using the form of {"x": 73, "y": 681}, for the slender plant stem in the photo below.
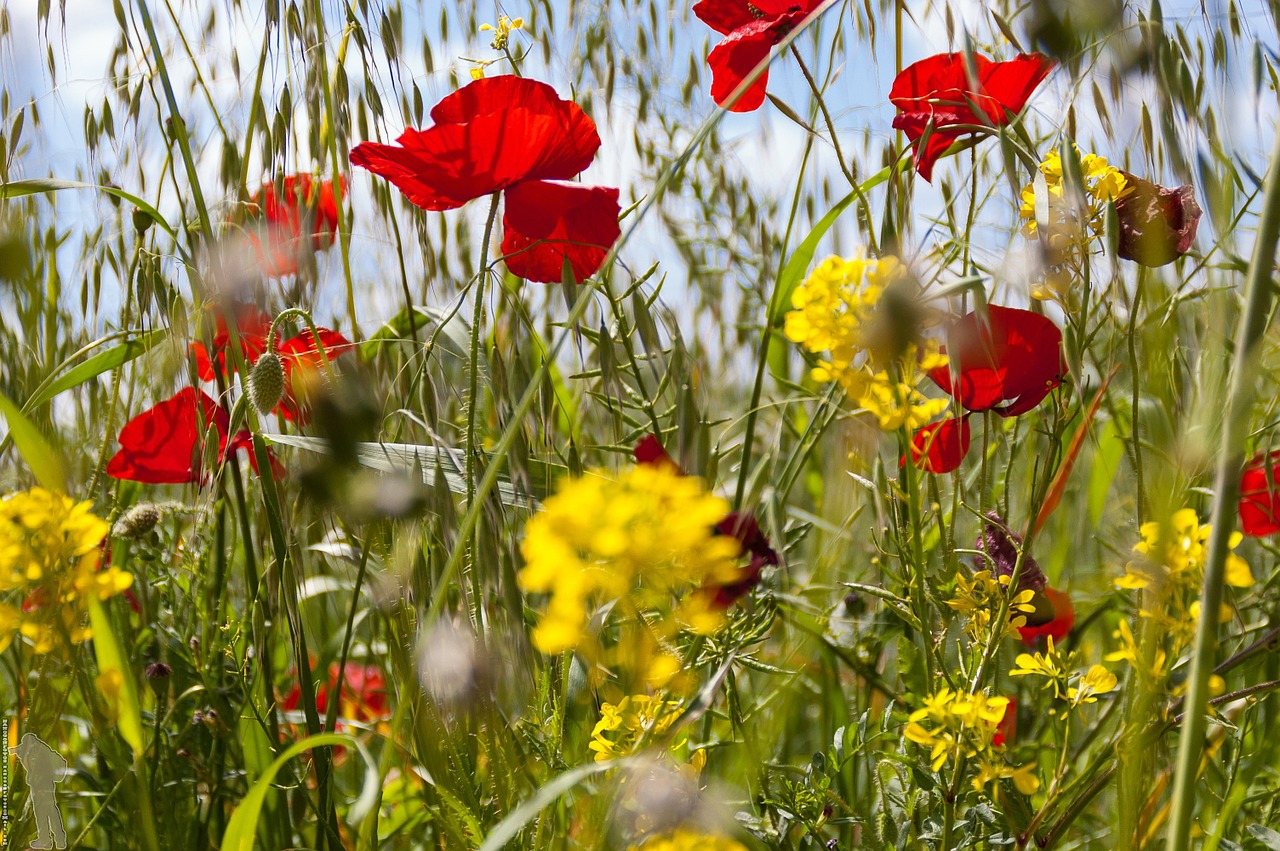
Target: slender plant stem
{"x": 1253, "y": 321}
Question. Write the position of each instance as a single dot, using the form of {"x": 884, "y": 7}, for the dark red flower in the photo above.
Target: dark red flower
{"x": 940, "y": 447}
{"x": 496, "y": 134}
{"x": 1058, "y": 626}
{"x": 997, "y": 551}
{"x": 547, "y": 222}
{"x": 938, "y": 91}
{"x": 650, "y": 451}
{"x": 1259, "y": 488}
{"x": 302, "y": 215}
{"x": 165, "y": 443}
{"x": 751, "y": 29}
{"x": 1157, "y": 224}
{"x": 252, "y": 324}
{"x": 1008, "y": 365}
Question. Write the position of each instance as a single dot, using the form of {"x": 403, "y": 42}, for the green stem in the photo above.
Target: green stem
{"x": 1257, "y": 296}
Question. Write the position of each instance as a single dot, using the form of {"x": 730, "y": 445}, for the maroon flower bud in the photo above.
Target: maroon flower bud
{"x": 1157, "y": 224}
{"x": 158, "y": 671}
{"x": 998, "y": 552}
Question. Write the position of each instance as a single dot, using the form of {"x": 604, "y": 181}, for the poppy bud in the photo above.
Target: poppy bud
{"x": 1157, "y": 224}
{"x": 266, "y": 382}
{"x": 137, "y": 521}
{"x": 998, "y": 552}
{"x": 158, "y": 671}
{"x": 141, "y": 220}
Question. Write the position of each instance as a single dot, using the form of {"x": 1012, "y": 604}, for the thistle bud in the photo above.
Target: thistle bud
{"x": 266, "y": 382}
{"x": 137, "y": 521}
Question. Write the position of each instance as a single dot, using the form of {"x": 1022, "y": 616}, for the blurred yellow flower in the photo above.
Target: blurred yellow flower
{"x": 688, "y": 840}
{"x": 630, "y": 723}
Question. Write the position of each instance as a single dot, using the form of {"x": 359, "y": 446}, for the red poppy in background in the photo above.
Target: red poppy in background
{"x": 1259, "y": 487}
{"x": 362, "y": 693}
{"x": 301, "y": 215}
{"x": 301, "y": 358}
{"x": 164, "y": 444}
{"x": 496, "y": 134}
{"x": 252, "y": 325}
{"x": 1007, "y": 729}
{"x": 751, "y": 29}
{"x": 649, "y": 451}
{"x": 1157, "y": 224}
{"x": 940, "y": 447}
{"x": 1058, "y": 627}
{"x": 1007, "y": 365}
{"x": 938, "y": 93}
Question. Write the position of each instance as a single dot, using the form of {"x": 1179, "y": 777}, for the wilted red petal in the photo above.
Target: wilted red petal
{"x": 163, "y": 445}
{"x": 1157, "y": 224}
{"x": 940, "y": 447}
{"x": 488, "y": 136}
{"x": 1259, "y": 488}
{"x": 939, "y": 90}
{"x": 746, "y": 529}
{"x": 253, "y": 326}
{"x": 547, "y": 221}
{"x": 1064, "y": 618}
{"x": 1009, "y": 367}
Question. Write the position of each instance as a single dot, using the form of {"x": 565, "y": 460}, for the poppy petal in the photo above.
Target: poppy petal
{"x": 252, "y": 326}
{"x": 488, "y": 136}
{"x": 1260, "y": 496}
{"x": 301, "y": 216}
{"x": 940, "y": 447}
{"x": 163, "y": 445}
{"x": 732, "y": 61}
{"x": 724, "y": 16}
{"x": 1064, "y": 618}
{"x": 1157, "y": 224}
{"x": 547, "y": 222}
{"x": 299, "y": 356}
{"x": 650, "y": 451}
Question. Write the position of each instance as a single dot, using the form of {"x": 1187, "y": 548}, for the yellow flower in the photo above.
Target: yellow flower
{"x": 502, "y": 32}
{"x": 1173, "y": 557}
{"x": 1097, "y": 680}
{"x": 978, "y": 598}
{"x": 645, "y": 536}
{"x": 49, "y": 563}
{"x": 633, "y": 721}
{"x": 959, "y": 723}
{"x": 687, "y": 840}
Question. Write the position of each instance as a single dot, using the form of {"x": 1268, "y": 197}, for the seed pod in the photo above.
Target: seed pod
{"x": 266, "y": 382}
{"x": 137, "y": 521}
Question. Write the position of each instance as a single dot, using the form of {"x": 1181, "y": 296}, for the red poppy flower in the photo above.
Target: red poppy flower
{"x": 1259, "y": 487}
{"x": 301, "y": 215}
{"x": 362, "y": 693}
{"x": 940, "y": 447}
{"x": 1008, "y": 365}
{"x": 650, "y": 451}
{"x": 938, "y": 91}
{"x": 1064, "y": 618}
{"x": 1007, "y": 729}
{"x": 496, "y": 134}
{"x": 751, "y": 29}
{"x": 252, "y": 325}
{"x": 1157, "y": 224}
{"x": 300, "y": 357}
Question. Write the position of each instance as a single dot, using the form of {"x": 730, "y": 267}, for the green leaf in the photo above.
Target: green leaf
{"x": 515, "y": 821}
{"x": 44, "y": 462}
{"x": 112, "y": 358}
{"x": 1265, "y": 835}
{"x": 43, "y": 185}
{"x": 1106, "y": 463}
{"x": 243, "y": 826}
{"x": 110, "y": 658}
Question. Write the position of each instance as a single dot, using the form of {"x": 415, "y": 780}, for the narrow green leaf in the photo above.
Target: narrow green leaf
{"x": 111, "y": 659}
{"x": 112, "y": 358}
{"x": 44, "y": 462}
{"x": 43, "y": 185}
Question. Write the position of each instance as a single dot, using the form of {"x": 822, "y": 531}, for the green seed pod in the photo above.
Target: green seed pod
{"x": 137, "y": 521}
{"x": 266, "y": 382}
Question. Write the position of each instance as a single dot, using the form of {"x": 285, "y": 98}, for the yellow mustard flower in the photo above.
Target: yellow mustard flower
{"x": 502, "y": 31}
{"x": 953, "y": 724}
{"x": 688, "y": 840}
{"x": 978, "y": 597}
{"x": 631, "y": 722}
{"x": 1097, "y": 680}
{"x": 646, "y": 536}
{"x": 49, "y": 567}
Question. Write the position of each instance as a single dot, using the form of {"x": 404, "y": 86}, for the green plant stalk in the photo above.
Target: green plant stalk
{"x": 1253, "y": 322}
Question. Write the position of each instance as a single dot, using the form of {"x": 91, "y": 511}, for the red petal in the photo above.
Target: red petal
{"x": 302, "y": 216}
{"x": 724, "y": 16}
{"x": 1008, "y": 368}
{"x": 940, "y": 447}
{"x": 298, "y": 355}
{"x": 489, "y": 135}
{"x": 163, "y": 445}
{"x": 732, "y": 61}
{"x": 546, "y": 222}
{"x": 1064, "y": 618}
{"x": 253, "y": 326}
{"x": 1259, "y": 487}
{"x": 650, "y": 451}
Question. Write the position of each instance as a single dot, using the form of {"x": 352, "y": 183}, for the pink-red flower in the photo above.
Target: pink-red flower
{"x": 937, "y": 97}
{"x": 165, "y": 444}
{"x": 940, "y": 447}
{"x": 1260, "y": 495}
{"x": 302, "y": 215}
{"x": 1157, "y": 224}
{"x": 514, "y": 135}
{"x": 1007, "y": 364}
{"x": 751, "y": 28}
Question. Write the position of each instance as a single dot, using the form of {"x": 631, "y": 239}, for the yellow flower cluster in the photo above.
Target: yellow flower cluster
{"x": 1073, "y": 222}
{"x": 961, "y": 724}
{"x": 625, "y": 726}
{"x": 640, "y": 538}
{"x": 838, "y": 314}
{"x": 1074, "y": 687}
{"x": 688, "y": 840}
{"x": 978, "y": 598}
{"x": 1169, "y": 570}
{"x": 49, "y": 561}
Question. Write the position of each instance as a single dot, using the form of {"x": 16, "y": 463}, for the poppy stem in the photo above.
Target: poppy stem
{"x": 1253, "y": 322}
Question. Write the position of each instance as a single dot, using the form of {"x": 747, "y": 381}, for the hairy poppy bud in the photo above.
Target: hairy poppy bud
{"x": 137, "y": 521}
{"x": 266, "y": 382}
{"x": 1157, "y": 224}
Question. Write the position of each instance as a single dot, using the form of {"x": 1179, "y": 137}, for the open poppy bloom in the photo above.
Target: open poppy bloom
{"x": 165, "y": 444}
{"x": 1058, "y": 626}
{"x": 649, "y": 451}
{"x": 252, "y": 325}
{"x": 1259, "y": 492}
{"x": 1157, "y": 224}
{"x": 302, "y": 215}
{"x": 940, "y": 447}
{"x": 937, "y": 97}
{"x": 301, "y": 358}
{"x": 1007, "y": 365}
{"x": 751, "y": 28}
{"x": 514, "y": 135}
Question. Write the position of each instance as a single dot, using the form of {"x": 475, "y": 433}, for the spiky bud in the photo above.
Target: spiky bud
{"x": 137, "y": 521}
{"x": 266, "y": 382}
